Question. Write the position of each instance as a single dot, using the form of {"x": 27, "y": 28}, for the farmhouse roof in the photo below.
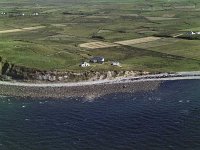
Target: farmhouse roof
{"x": 98, "y": 58}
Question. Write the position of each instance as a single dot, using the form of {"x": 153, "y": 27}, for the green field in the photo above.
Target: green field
{"x": 69, "y": 23}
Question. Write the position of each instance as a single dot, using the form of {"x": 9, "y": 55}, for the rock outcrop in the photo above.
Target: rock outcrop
{"x": 15, "y": 72}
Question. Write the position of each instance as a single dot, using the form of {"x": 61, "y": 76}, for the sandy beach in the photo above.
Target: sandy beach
{"x": 92, "y": 89}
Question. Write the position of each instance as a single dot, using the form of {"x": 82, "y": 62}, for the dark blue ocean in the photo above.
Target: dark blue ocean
{"x": 167, "y": 118}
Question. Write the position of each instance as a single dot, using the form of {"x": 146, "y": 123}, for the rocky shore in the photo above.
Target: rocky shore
{"x": 91, "y": 89}
{"x": 87, "y": 91}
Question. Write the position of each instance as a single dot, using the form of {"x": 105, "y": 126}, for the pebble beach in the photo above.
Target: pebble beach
{"x": 91, "y": 89}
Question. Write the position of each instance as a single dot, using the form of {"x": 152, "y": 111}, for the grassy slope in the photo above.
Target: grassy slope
{"x": 56, "y": 46}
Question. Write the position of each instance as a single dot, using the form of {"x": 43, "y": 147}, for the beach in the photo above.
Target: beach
{"x": 91, "y": 89}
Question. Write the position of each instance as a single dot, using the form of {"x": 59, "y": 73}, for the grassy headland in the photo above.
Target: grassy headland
{"x": 71, "y": 23}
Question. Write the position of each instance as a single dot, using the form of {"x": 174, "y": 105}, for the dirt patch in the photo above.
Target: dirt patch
{"x": 130, "y": 15}
{"x": 105, "y": 31}
{"x": 169, "y": 15}
{"x": 58, "y": 25}
{"x": 96, "y": 45}
{"x": 185, "y": 7}
{"x": 138, "y": 41}
{"x": 22, "y": 30}
{"x": 161, "y": 18}
{"x": 98, "y": 17}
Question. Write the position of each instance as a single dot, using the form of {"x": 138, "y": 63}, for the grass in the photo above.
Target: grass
{"x": 193, "y": 29}
{"x": 70, "y": 23}
{"x": 160, "y": 64}
{"x": 184, "y": 48}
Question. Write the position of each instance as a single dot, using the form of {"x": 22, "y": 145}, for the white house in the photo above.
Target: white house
{"x": 35, "y": 14}
{"x": 115, "y": 63}
{"x": 84, "y": 64}
{"x": 193, "y": 33}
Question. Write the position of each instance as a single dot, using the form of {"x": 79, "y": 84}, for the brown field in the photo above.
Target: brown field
{"x": 185, "y": 7}
{"x": 104, "y": 31}
{"x": 58, "y": 25}
{"x": 138, "y": 41}
{"x": 157, "y": 43}
{"x": 98, "y": 17}
{"x": 95, "y": 45}
{"x": 21, "y": 30}
{"x": 130, "y": 15}
{"x": 160, "y": 18}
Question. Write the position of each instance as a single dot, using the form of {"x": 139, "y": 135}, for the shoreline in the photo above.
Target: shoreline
{"x": 92, "y": 89}
{"x": 131, "y": 79}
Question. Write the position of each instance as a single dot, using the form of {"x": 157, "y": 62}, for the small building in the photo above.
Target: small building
{"x": 3, "y": 13}
{"x": 193, "y": 33}
{"x": 115, "y": 63}
{"x": 97, "y": 59}
{"x": 84, "y": 64}
{"x": 35, "y": 14}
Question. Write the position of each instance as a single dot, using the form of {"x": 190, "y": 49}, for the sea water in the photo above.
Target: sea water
{"x": 167, "y": 118}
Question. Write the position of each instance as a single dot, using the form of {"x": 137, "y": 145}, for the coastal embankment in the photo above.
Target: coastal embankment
{"x": 92, "y": 89}
{"x": 11, "y": 72}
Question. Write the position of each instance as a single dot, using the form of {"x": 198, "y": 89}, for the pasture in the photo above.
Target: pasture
{"x": 58, "y": 35}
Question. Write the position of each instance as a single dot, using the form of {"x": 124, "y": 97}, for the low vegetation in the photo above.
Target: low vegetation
{"x": 49, "y": 34}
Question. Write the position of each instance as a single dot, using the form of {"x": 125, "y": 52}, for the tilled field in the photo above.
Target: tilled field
{"x": 96, "y": 45}
{"x": 137, "y": 41}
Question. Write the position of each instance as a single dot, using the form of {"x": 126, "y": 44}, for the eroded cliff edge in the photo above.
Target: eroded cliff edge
{"x": 9, "y": 71}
